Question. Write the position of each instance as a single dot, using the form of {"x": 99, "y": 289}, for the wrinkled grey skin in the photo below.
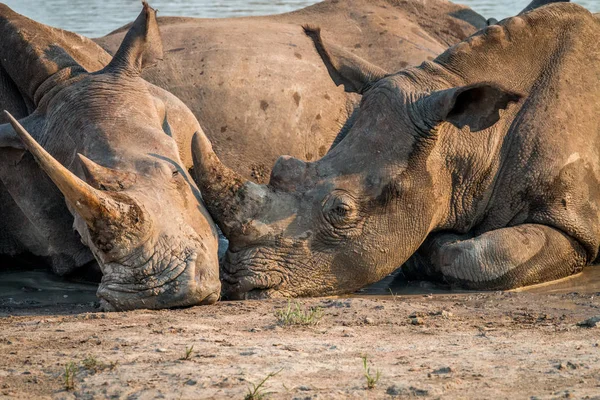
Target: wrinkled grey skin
{"x": 480, "y": 169}
{"x": 258, "y": 88}
{"x": 103, "y": 158}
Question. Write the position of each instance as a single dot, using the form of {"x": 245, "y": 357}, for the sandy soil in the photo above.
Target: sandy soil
{"x": 476, "y": 346}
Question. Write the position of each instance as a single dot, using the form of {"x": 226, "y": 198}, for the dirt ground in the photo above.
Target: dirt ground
{"x": 476, "y": 346}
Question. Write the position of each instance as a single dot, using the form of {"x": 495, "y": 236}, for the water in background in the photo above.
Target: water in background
{"x": 96, "y": 18}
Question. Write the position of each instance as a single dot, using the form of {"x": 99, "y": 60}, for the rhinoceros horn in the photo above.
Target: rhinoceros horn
{"x": 91, "y": 204}
{"x": 142, "y": 46}
{"x": 231, "y": 199}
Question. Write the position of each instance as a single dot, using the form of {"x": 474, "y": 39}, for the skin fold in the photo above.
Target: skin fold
{"x": 91, "y": 167}
{"x": 479, "y": 169}
{"x": 258, "y": 88}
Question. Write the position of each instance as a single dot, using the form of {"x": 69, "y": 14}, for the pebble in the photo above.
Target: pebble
{"x": 369, "y": 321}
{"x": 191, "y": 382}
{"x": 417, "y": 321}
{"x": 394, "y": 390}
{"x": 161, "y": 350}
{"x": 443, "y": 370}
{"x": 568, "y": 365}
{"x": 593, "y": 322}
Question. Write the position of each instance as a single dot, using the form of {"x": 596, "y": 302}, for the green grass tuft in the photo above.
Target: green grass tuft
{"x": 257, "y": 392}
{"x": 188, "y": 353}
{"x": 371, "y": 380}
{"x": 69, "y": 375}
{"x": 296, "y": 315}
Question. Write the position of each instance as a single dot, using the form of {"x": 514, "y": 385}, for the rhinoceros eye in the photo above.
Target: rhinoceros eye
{"x": 340, "y": 209}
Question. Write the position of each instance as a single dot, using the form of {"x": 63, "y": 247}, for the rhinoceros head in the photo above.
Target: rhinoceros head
{"x": 108, "y": 141}
{"x": 352, "y": 217}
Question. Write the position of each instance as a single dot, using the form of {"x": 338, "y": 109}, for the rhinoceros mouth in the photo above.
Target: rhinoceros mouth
{"x": 166, "y": 278}
{"x": 250, "y": 281}
{"x": 258, "y": 274}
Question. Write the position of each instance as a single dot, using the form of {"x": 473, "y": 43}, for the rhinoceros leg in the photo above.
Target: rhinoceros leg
{"x": 501, "y": 259}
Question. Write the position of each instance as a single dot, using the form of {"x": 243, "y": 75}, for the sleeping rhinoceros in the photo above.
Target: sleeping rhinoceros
{"x": 107, "y": 144}
{"x": 258, "y": 88}
{"x": 481, "y": 169}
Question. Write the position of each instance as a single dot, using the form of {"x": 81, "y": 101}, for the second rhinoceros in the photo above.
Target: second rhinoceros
{"x": 481, "y": 169}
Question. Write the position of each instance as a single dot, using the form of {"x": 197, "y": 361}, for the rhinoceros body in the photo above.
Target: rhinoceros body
{"x": 481, "y": 169}
{"x": 258, "y": 88}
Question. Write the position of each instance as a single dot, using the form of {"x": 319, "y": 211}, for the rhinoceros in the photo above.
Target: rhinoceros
{"x": 258, "y": 88}
{"x": 480, "y": 169}
{"x": 106, "y": 143}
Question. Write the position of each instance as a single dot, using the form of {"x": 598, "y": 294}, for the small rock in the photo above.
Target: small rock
{"x": 568, "y": 365}
{"x": 304, "y": 388}
{"x": 254, "y": 330}
{"x": 369, "y": 321}
{"x": 247, "y": 353}
{"x": 161, "y": 350}
{"x": 416, "y": 314}
{"x": 418, "y": 392}
{"x": 395, "y": 390}
{"x": 191, "y": 382}
{"x": 446, "y": 314}
{"x": 443, "y": 370}
{"x": 417, "y": 321}
{"x": 593, "y": 322}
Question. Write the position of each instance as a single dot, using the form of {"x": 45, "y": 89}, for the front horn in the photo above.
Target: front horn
{"x": 231, "y": 199}
{"x": 91, "y": 204}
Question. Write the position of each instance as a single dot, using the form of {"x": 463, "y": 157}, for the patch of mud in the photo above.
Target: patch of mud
{"x": 588, "y": 281}
{"x": 40, "y": 288}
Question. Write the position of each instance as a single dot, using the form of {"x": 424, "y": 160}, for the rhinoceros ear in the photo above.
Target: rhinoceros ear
{"x": 539, "y": 3}
{"x": 477, "y": 106}
{"x": 345, "y": 68}
{"x": 103, "y": 178}
{"x": 141, "y": 47}
{"x": 10, "y": 139}
{"x": 31, "y": 52}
